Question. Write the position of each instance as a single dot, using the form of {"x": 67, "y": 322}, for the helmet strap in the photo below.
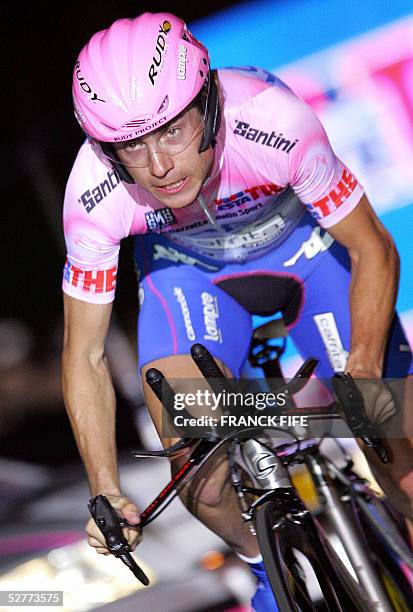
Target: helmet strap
{"x": 109, "y": 151}
{"x": 213, "y": 115}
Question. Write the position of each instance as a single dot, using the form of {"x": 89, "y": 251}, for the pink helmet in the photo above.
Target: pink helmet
{"x": 136, "y": 75}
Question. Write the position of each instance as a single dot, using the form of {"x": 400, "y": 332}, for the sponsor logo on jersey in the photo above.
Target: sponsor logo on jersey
{"x": 211, "y": 315}
{"x": 252, "y": 237}
{"x": 327, "y": 327}
{"x": 159, "y": 53}
{"x": 247, "y": 195}
{"x": 181, "y": 299}
{"x": 90, "y": 281}
{"x": 158, "y": 219}
{"x": 93, "y": 96}
{"x": 171, "y": 254}
{"x": 182, "y": 59}
{"x": 274, "y": 140}
{"x": 190, "y": 226}
{"x": 316, "y": 244}
{"x": 336, "y": 197}
{"x": 92, "y": 197}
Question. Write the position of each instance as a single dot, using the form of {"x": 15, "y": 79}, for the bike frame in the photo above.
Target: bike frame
{"x": 335, "y": 496}
{"x": 334, "y": 504}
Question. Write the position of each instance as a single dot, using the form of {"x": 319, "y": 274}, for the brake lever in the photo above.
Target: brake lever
{"x": 301, "y": 377}
{"x": 110, "y": 524}
{"x": 352, "y": 405}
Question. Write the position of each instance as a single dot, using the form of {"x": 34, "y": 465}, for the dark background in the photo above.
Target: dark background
{"x": 40, "y": 43}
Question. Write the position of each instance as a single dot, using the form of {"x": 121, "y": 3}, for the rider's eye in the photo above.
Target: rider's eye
{"x": 133, "y": 146}
{"x": 173, "y": 131}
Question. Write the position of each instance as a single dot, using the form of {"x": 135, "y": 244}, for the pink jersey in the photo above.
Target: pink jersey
{"x": 272, "y": 162}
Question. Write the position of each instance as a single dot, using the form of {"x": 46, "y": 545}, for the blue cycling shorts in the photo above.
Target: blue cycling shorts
{"x": 186, "y": 298}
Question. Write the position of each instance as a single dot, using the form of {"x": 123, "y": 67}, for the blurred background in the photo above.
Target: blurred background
{"x": 353, "y": 62}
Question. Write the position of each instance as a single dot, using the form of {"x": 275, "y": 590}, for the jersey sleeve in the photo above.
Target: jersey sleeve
{"x": 87, "y": 277}
{"x": 94, "y": 224}
{"x": 319, "y": 178}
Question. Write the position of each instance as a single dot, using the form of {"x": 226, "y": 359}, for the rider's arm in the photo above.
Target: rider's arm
{"x": 373, "y": 290}
{"x": 336, "y": 200}
{"x": 90, "y": 402}
{"x": 88, "y": 391}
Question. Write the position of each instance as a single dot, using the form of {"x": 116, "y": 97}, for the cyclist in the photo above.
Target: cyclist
{"x": 229, "y": 182}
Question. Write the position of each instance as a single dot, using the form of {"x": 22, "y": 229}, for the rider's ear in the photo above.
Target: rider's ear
{"x": 109, "y": 150}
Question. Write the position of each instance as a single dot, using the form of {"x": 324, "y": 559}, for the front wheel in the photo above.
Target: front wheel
{"x": 376, "y": 520}
{"x": 305, "y": 573}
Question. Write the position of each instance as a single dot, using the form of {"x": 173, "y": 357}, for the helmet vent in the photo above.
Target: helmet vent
{"x": 163, "y": 107}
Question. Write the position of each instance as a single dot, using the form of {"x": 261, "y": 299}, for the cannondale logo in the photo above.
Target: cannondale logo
{"x": 265, "y": 464}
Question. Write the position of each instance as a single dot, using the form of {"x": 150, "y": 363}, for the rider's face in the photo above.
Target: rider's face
{"x": 172, "y": 176}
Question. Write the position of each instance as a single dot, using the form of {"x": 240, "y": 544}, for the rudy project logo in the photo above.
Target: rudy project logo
{"x": 90, "y": 281}
{"x": 158, "y": 219}
{"x": 93, "y": 96}
{"x": 160, "y": 50}
{"x": 274, "y": 140}
{"x": 166, "y": 26}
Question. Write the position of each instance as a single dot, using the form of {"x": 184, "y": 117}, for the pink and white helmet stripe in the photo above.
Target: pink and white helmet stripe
{"x": 136, "y": 75}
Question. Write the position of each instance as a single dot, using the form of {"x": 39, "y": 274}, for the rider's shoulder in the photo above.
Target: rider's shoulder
{"x": 255, "y": 77}
{"x": 261, "y": 93}
{"x": 91, "y": 181}
{"x": 89, "y": 168}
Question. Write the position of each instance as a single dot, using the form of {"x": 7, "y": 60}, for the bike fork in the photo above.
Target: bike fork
{"x": 334, "y": 509}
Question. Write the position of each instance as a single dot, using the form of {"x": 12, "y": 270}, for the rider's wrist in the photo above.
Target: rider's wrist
{"x": 363, "y": 372}
{"x": 107, "y": 490}
{"x": 360, "y": 364}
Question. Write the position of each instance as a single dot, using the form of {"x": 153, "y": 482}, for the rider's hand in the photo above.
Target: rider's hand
{"x": 379, "y": 402}
{"x": 128, "y": 511}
